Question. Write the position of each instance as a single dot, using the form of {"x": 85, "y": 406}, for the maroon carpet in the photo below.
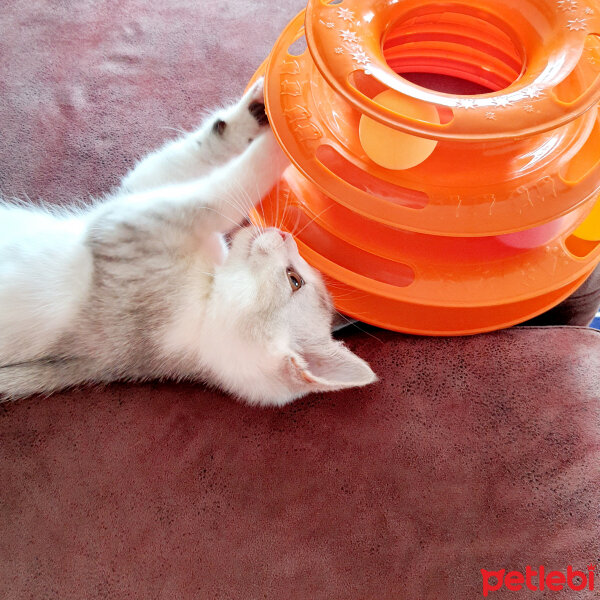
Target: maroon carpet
{"x": 89, "y": 86}
{"x": 470, "y": 454}
{"x": 465, "y": 456}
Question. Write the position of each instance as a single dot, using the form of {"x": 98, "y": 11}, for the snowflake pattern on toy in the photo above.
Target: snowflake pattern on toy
{"x": 361, "y": 57}
{"x": 349, "y": 36}
{"x": 346, "y": 14}
{"x": 578, "y": 24}
{"x": 467, "y": 104}
{"x": 533, "y": 92}
{"x": 350, "y": 41}
{"x": 490, "y": 115}
{"x": 568, "y": 5}
{"x": 589, "y": 11}
{"x": 503, "y": 101}
{"x": 528, "y": 108}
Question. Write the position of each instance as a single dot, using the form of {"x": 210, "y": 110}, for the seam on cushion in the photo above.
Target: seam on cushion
{"x": 580, "y": 327}
{"x": 595, "y": 292}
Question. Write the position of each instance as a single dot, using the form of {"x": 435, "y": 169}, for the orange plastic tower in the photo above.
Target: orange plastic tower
{"x": 429, "y": 212}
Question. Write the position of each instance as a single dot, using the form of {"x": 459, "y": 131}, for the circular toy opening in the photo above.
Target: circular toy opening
{"x": 454, "y": 49}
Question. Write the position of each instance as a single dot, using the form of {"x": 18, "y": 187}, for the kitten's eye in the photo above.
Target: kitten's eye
{"x": 296, "y": 282}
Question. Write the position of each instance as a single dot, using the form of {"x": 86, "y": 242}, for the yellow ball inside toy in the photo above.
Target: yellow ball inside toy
{"x": 395, "y": 149}
{"x": 590, "y": 228}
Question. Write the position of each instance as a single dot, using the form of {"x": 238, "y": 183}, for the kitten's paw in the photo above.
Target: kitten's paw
{"x": 255, "y": 97}
{"x": 239, "y": 125}
{"x": 256, "y": 93}
{"x": 257, "y": 110}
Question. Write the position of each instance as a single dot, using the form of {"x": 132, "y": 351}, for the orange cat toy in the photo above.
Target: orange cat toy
{"x": 429, "y": 212}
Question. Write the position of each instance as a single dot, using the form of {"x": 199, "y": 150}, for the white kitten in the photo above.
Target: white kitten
{"x": 143, "y": 285}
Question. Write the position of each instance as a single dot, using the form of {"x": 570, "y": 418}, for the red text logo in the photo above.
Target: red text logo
{"x": 538, "y": 580}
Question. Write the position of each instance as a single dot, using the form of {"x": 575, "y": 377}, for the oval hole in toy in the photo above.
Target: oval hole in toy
{"x": 393, "y": 149}
{"x": 536, "y": 236}
{"x": 584, "y": 75}
{"x": 579, "y": 247}
{"x": 370, "y": 87}
{"x": 347, "y": 256}
{"x": 589, "y": 230}
{"x": 585, "y": 161}
{"x": 299, "y": 46}
{"x": 332, "y": 160}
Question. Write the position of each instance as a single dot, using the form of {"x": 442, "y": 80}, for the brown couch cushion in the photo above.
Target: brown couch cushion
{"x": 579, "y": 309}
{"x": 469, "y": 454}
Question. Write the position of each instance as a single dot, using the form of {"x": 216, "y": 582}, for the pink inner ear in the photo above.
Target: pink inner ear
{"x": 329, "y": 366}
{"x": 334, "y": 365}
{"x": 302, "y": 372}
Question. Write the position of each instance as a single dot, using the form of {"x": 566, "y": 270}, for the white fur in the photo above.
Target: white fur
{"x": 143, "y": 285}
{"x": 45, "y": 273}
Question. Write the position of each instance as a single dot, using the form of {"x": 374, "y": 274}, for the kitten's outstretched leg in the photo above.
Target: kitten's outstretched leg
{"x": 216, "y": 203}
{"x": 223, "y": 135}
{"x": 239, "y": 186}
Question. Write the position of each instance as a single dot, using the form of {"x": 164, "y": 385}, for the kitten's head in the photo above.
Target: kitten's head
{"x": 275, "y": 312}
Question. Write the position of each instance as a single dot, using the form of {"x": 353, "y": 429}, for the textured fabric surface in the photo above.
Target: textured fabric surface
{"x": 468, "y": 454}
{"x": 89, "y": 86}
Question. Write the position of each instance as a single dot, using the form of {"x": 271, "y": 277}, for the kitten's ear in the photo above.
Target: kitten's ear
{"x": 328, "y": 367}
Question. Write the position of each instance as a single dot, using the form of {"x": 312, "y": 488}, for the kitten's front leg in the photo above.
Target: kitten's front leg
{"x": 238, "y": 186}
{"x": 222, "y": 200}
{"x": 171, "y": 215}
{"x": 223, "y": 135}
{"x": 228, "y": 131}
